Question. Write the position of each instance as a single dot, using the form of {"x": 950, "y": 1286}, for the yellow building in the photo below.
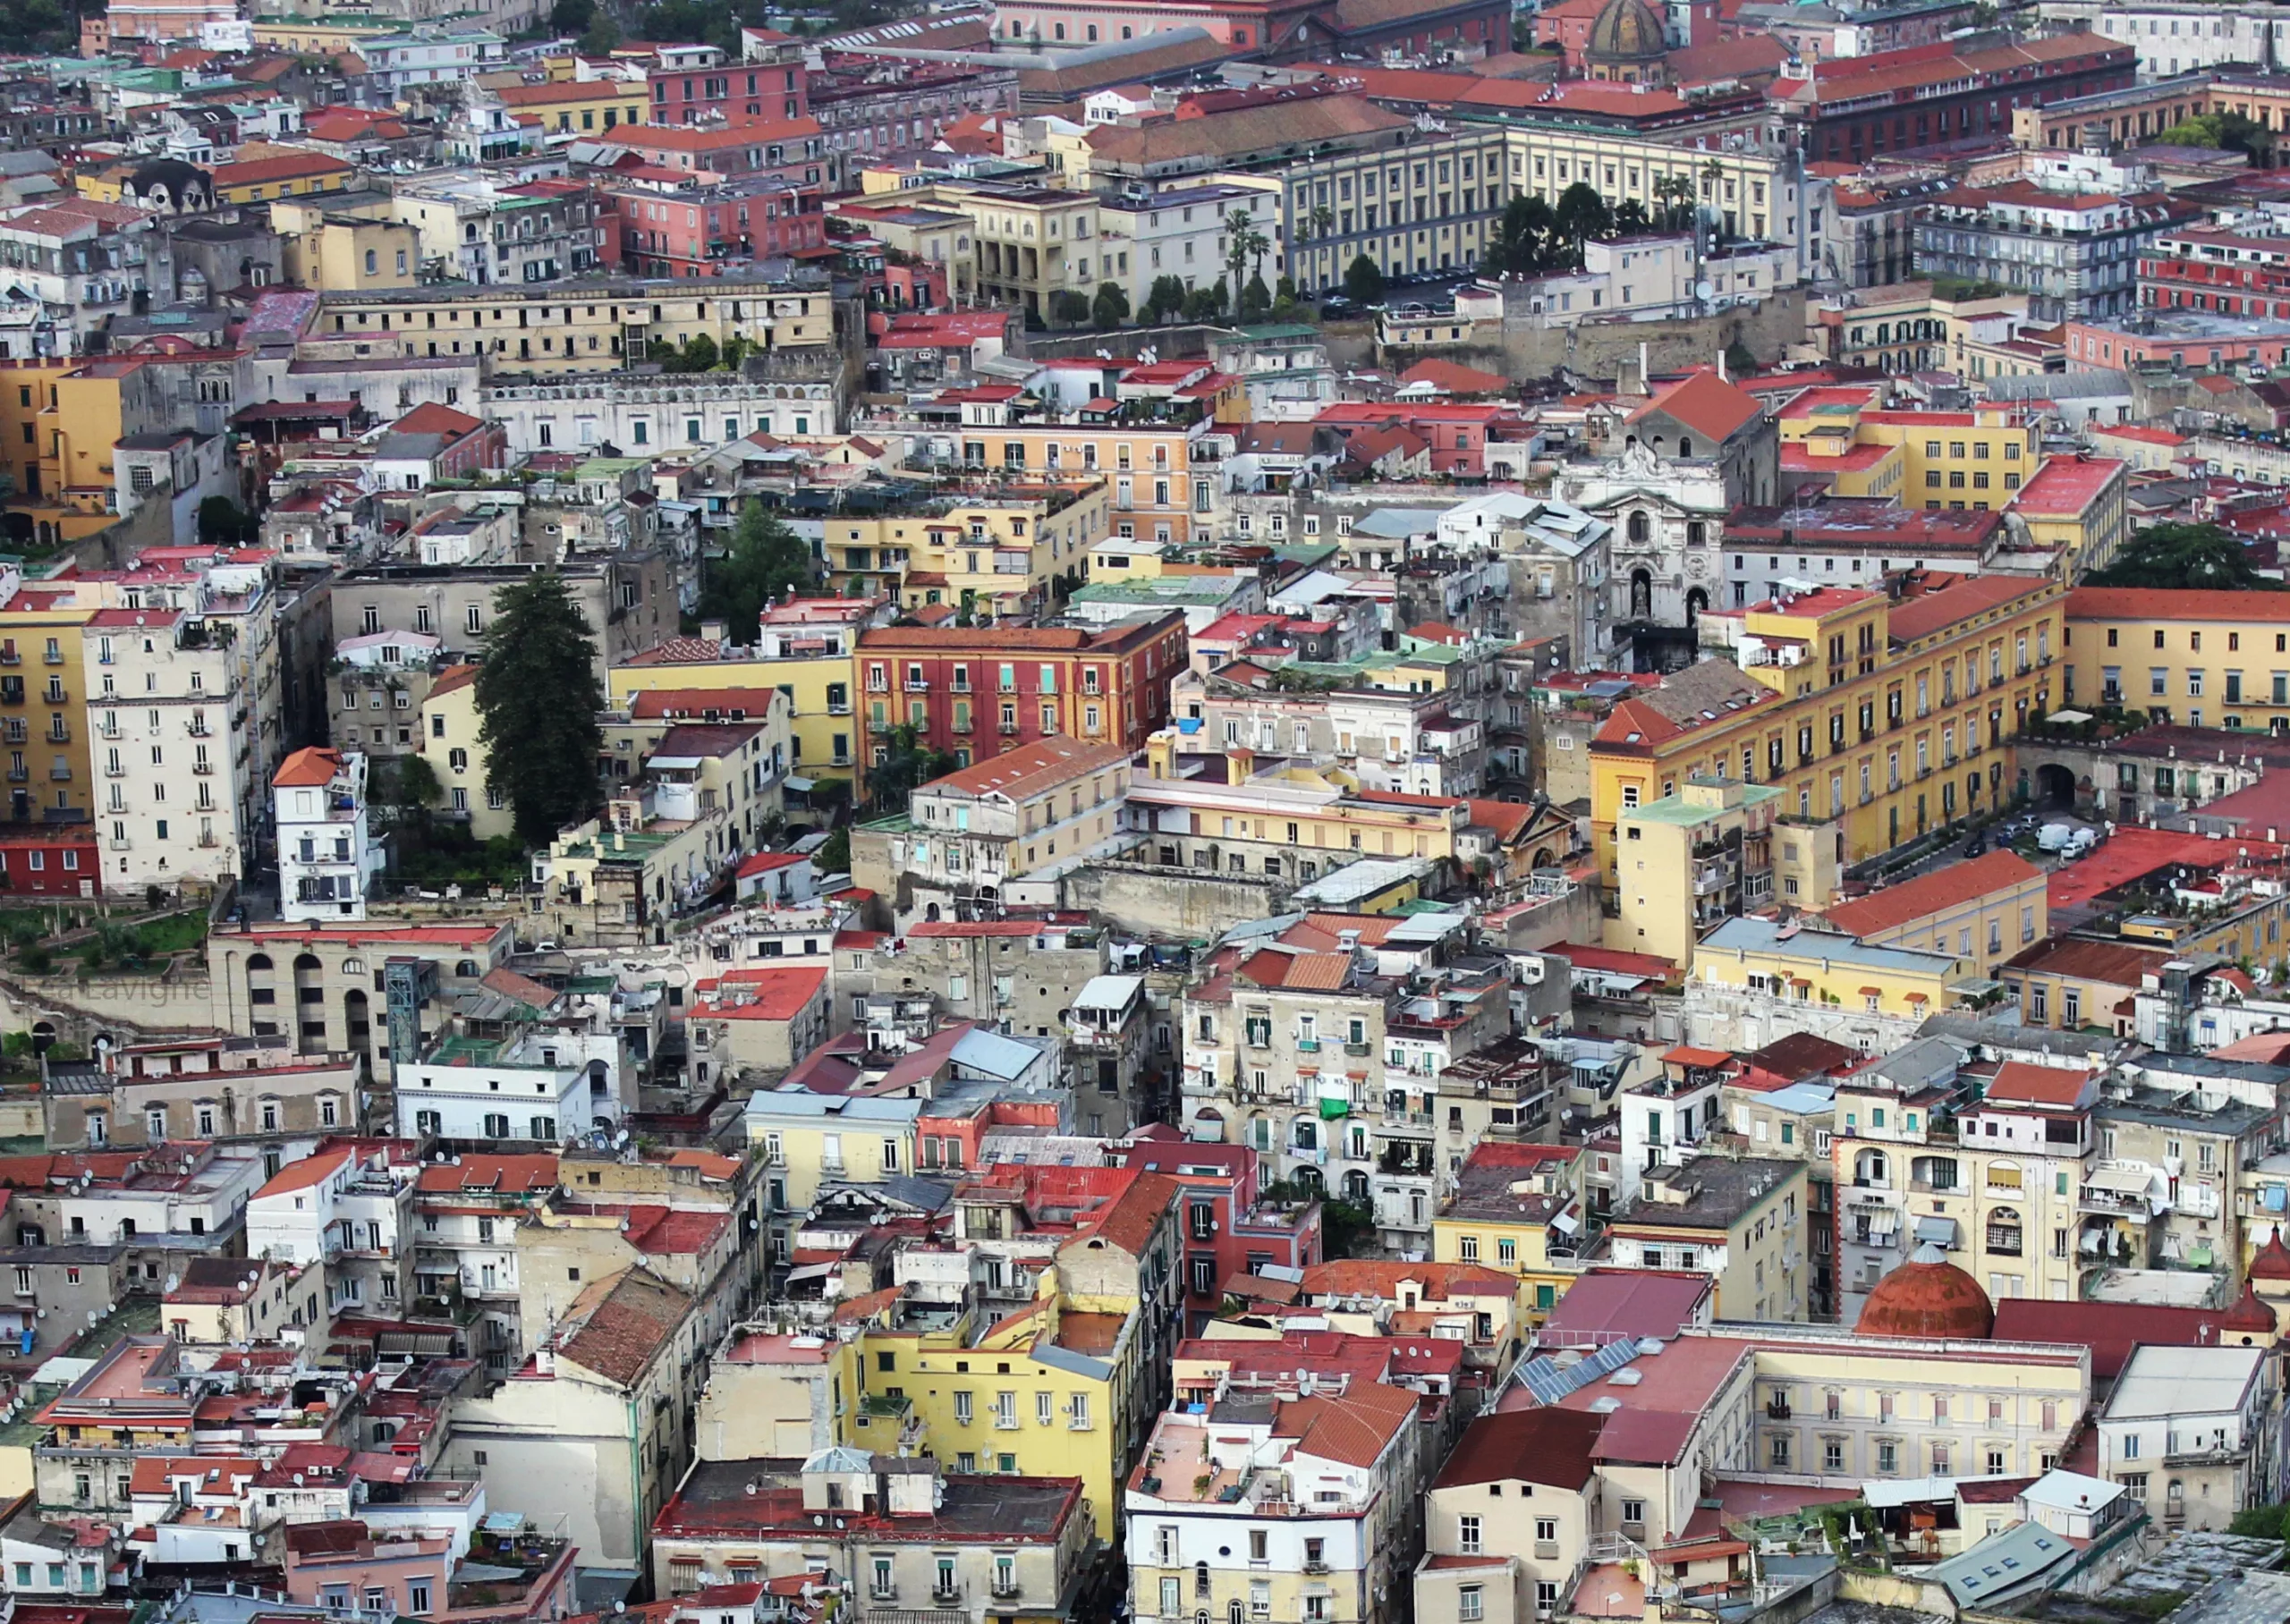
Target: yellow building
{"x": 2204, "y": 658}
{"x": 803, "y": 650}
{"x": 1987, "y": 911}
{"x": 1973, "y": 460}
{"x": 588, "y": 106}
{"x": 61, "y": 421}
{"x": 1150, "y": 466}
{"x": 1742, "y": 1221}
{"x": 557, "y": 327}
{"x": 805, "y": 1139}
{"x": 43, "y": 721}
{"x": 262, "y": 173}
{"x": 1518, "y": 1209}
{"x": 994, "y": 549}
{"x": 28, "y": 389}
{"x": 317, "y": 38}
{"x": 934, "y": 235}
{"x": 1028, "y": 243}
{"x": 1908, "y": 327}
{"x": 1688, "y": 861}
{"x": 1049, "y": 1390}
{"x": 1883, "y": 719}
{"x": 343, "y": 253}
{"x": 451, "y": 744}
{"x": 2079, "y": 507}
{"x": 1776, "y": 966}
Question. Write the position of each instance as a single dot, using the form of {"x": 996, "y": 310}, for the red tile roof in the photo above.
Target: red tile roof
{"x": 2019, "y": 1083}
{"x": 1705, "y": 403}
{"x": 2176, "y": 604}
{"x": 1550, "y": 1447}
{"x": 1917, "y": 899}
{"x": 312, "y": 767}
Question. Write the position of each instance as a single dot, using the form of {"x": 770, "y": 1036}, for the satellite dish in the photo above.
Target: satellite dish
{"x": 1703, "y": 290}
{"x": 173, "y": 1280}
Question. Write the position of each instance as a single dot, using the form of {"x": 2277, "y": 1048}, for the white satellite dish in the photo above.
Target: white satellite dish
{"x": 1703, "y": 290}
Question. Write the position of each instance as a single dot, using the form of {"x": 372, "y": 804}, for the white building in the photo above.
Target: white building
{"x": 429, "y": 56}
{"x": 533, "y": 1088}
{"x": 173, "y": 744}
{"x": 1176, "y": 232}
{"x": 2192, "y": 1432}
{"x": 579, "y": 412}
{"x": 344, "y": 1211}
{"x": 327, "y": 856}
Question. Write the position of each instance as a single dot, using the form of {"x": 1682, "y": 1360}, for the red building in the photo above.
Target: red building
{"x": 789, "y": 149}
{"x": 1457, "y": 431}
{"x": 731, "y": 89}
{"x": 973, "y": 692}
{"x": 2203, "y": 269}
{"x": 49, "y": 860}
{"x": 1855, "y": 108}
{"x": 1223, "y": 1227}
{"x": 671, "y": 224}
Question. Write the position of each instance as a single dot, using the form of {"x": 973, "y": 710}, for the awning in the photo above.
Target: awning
{"x": 1938, "y": 1231}
{"x": 1565, "y": 1224}
{"x": 1872, "y": 992}
{"x": 797, "y": 783}
{"x": 2093, "y": 1240}
{"x": 813, "y": 1271}
{"x": 1331, "y": 1110}
{"x": 2122, "y": 1180}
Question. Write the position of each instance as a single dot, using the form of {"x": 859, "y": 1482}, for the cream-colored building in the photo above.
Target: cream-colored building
{"x": 1984, "y": 911}
{"x": 452, "y": 741}
{"x": 1742, "y": 1222}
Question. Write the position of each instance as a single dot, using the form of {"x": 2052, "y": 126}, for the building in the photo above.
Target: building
{"x": 1742, "y": 1223}
{"x": 1696, "y": 859}
{"x": 974, "y": 692}
{"x": 327, "y": 859}
{"x": 2181, "y": 656}
{"x": 1985, "y": 911}
{"x": 2193, "y": 1433}
{"x": 2075, "y": 255}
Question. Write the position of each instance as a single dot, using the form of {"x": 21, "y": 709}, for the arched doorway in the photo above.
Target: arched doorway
{"x": 310, "y": 991}
{"x": 2054, "y": 785}
{"x": 1641, "y": 595}
{"x": 1355, "y": 1187}
{"x": 1696, "y": 601}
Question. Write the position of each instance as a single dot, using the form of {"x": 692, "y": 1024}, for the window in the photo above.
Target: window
{"x": 1468, "y": 1605}
{"x": 1467, "y": 1536}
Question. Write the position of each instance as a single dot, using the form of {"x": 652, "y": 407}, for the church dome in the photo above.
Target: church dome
{"x": 1626, "y": 31}
{"x": 2272, "y": 1261}
{"x": 2249, "y": 1315}
{"x": 1928, "y": 1296}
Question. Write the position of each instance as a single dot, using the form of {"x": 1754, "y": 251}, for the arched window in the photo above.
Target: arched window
{"x": 2003, "y": 1233}
{"x": 258, "y": 962}
{"x": 1201, "y": 1580}
{"x": 1870, "y": 1170}
{"x": 1637, "y": 527}
{"x": 1685, "y": 446}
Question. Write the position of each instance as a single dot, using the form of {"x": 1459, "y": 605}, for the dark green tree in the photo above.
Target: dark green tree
{"x": 1205, "y": 304}
{"x": 602, "y": 35}
{"x": 573, "y": 16}
{"x": 223, "y": 522}
{"x": 2228, "y": 132}
{"x": 2184, "y": 555}
{"x": 699, "y": 354}
{"x": 1630, "y": 219}
{"x": 1363, "y": 280}
{"x": 1163, "y": 301}
{"x": 1068, "y": 309}
{"x": 833, "y": 854}
{"x": 1256, "y": 299}
{"x": 537, "y": 703}
{"x": 908, "y": 763}
{"x": 1110, "y": 309}
{"x": 765, "y": 562}
{"x": 1244, "y": 249}
{"x": 1581, "y": 216}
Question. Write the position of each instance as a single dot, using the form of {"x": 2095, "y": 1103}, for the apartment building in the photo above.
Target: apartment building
{"x": 2184, "y": 655}
{"x": 1158, "y": 494}
{"x": 563, "y": 326}
{"x": 1880, "y": 719}
{"x": 1691, "y": 860}
{"x": 974, "y": 692}
{"x": 993, "y": 551}
{"x": 1742, "y": 1222}
{"x": 2193, "y": 1433}
{"x": 1986, "y": 911}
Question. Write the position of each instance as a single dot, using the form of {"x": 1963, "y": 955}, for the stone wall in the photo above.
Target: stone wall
{"x": 118, "y": 1006}
{"x": 1168, "y": 902}
{"x": 1610, "y": 349}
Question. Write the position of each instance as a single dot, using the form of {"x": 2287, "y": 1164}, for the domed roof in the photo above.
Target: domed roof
{"x": 1928, "y": 1296}
{"x": 2248, "y": 1314}
{"x": 1626, "y": 30}
{"x": 2272, "y": 1260}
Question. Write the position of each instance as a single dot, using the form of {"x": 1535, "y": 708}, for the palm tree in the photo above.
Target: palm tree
{"x": 1244, "y": 247}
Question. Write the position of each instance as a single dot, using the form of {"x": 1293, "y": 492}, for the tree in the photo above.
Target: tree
{"x": 601, "y": 37}
{"x": 1363, "y": 280}
{"x": 537, "y": 703}
{"x": 2184, "y": 555}
{"x": 1205, "y": 304}
{"x": 1244, "y": 247}
{"x": 1521, "y": 245}
{"x": 833, "y": 854}
{"x": 1631, "y": 219}
{"x": 1581, "y": 216}
{"x": 407, "y": 791}
{"x": 1068, "y": 309}
{"x": 765, "y": 562}
{"x": 222, "y": 522}
{"x": 1741, "y": 359}
{"x": 573, "y": 16}
{"x": 1676, "y": 194}
{"x": 1110, "y": 309}
{"x": 2228, "y": 132}
{"x": 1163, "y": 300}
{"x": 906, "y": 763}
{"x": 699, "y": 354}
{"x": 1256, "y": 299}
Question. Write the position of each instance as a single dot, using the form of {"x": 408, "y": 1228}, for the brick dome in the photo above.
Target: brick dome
{"x": 1625, "y": 31}
{"x": 2248, "y": 1315}
{"x": 1929, "y": 1297}
{"x": 2272, "y": 1260}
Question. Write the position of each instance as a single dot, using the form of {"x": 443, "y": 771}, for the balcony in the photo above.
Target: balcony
{"x": 1007, "y": 1589}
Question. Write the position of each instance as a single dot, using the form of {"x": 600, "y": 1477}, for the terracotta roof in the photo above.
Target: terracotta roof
{"x": 313, "y": 766}
{"x": 2272, "y": 1260}
{"x": 429, "y": 418}
{"x": 1375, "y": 1277}
{"x": 1031, "y": 768}
{"x": 1916, "y": 618}
{"x": 2083, "y": 959}
{"x": 1322, "y": 971}
{"x": 1456, "y": 378}
{"x": 1128, "y": 1220}
{"x": 452, "y": 679}
{"x": 1356, "y": 1426}
{"x": 773, "y": 993}
{"x": 1927, "y": 1299}
{"x": 2176, "y": 604}
{"x": 1897, "y": 905}
{"x": 1242, "y": 131}
{"x": 490, "y": 1175}
{"x": 2018, "y": 1083}
{"x": 1705, "y": 403}
{"x": 620, "y": 1324}
{"x": 2111, "y": 1331}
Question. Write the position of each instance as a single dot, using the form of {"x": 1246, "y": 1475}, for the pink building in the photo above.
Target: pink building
{"x": 1223, "y": 1228}
{"x": 347, "y": 1564}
